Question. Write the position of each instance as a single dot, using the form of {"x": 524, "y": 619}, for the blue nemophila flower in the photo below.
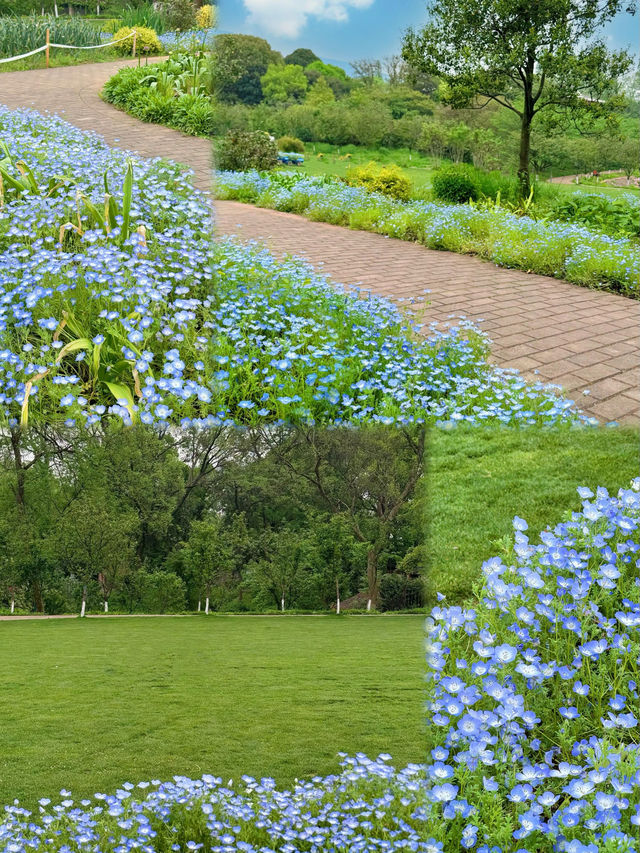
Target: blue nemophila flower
{"x": 553, "y": 741}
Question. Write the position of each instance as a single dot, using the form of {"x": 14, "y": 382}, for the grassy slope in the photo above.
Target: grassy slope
{"x": 89, "y": 705}
{"x": 419, "y": 168}
{"x": 478, "y": 480}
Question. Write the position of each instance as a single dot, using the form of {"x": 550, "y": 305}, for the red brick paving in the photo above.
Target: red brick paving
{"x": 549, "y": 329}
{"x": 580, "y": 339}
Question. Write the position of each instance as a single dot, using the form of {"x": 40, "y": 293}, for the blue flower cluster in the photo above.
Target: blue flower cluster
{"x": 188, "y": 39}
{"x": 534, "y": 705}
{"x": 368, "y": 806}
{"x": 558, "y": 249}
{"x": 155, "y": 324}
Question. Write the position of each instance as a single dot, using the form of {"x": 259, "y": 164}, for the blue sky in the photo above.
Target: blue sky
{"x": 340, "y": 30}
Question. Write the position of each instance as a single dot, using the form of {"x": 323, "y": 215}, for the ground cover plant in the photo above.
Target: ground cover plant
{"x": 134, "y": 691}
{"x": 563, "y": 250}
{"x": 114, "y": 306}
{"x": 174, "y": 93}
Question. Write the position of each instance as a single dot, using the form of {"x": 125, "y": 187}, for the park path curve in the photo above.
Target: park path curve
{"x": 549, "y": 329}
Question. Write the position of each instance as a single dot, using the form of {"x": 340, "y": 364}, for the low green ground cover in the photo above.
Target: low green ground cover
{"x": 87, "y": 705}
{"x": 476, "y": 478}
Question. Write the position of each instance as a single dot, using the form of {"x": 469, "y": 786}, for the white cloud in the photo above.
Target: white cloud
{"x": 289, "y": 17}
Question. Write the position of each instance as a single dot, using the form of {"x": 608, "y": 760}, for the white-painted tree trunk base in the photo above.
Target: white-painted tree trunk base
{"x": 13, "y": 605}
{"x": 282, "y": 605}
{"x": 368, "y": 605}
{"x": 338, "y": 606}
{"x": 199, "y": 606}
{"x": 106, "y": 607}
{"x": 83, "y": 608}
{"x": 206, "y": 606}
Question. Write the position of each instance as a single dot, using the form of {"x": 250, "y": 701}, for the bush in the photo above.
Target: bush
{"x": 205, "y": 17}
{"x": 388, "y": 180}
{"x": 146, "y": 38}
{"x": 291, "y": 145}
{"x": 534, "y": 703}
{"x": 111, "y": 25}
{"x": 400, "y": 592}
{"x": 455, "y": 184}
{"x": 119, "y": 88}
{"x": 617, "y": 216}
{"x": 179, "y": 14}
{"x": 194, "y": 115}
{"x": 163, "y": 592}
{"x": 242, "y": 150}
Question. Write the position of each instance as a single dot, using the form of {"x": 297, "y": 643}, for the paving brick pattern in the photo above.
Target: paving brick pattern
{"x": 549, "y": 329}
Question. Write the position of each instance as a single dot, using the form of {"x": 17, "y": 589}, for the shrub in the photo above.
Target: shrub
{"x": 241, "y": 150}
{"x": 119, "y": 88}
{"x": 291, "y": 145}
{"x": 112, "y": 25}
{"x": 146, "y": 38}
{"x": 455, "y": 184}
{"x": 534, "y": 702}
{"x": 400, "y": 592}
{"x": 193, "y": 114}
{"x": 205, "y": 17}
{"x": 163, "y": 592}
{"x": 151, "y": 106}
{"x": 179, "y": 14}
{"x": 617, "y": 216}
{"x": 388, "y": 180}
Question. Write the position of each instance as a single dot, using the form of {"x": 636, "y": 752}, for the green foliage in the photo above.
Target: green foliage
{"x": 146, "y": 41}
{"x": 301, "y": 56}
{"x": 326, "y": 69}
{"x": 617, "y": 216}
{"x": 241, "y": 150}
{"x": 291, "y": 144}
{"x": 388, "y": 180}
{"x": 20, "y": 35}
{"x": 179, "y": 14}
{"x": 283, "y": 84}
{"x": 239, "y": 63}
{"x": 455, "y": 184}
{"x": 400, "y": 592}
{"x": 530, "y": 58}
{"x": 143, "y": 15}
{"x": 162, "y": 592}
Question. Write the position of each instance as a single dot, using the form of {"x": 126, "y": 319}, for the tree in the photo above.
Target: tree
{"x": 239, "y": 63}
{"x": 301, "y": 56}
{"x": 320, "y": 93}
{"x": 368, "y": 475}
{"x": 529, "y": 57}
{"x": 209, "y": 555}
{"x": 367, "y": 70}
{"x": 283, "y": 84}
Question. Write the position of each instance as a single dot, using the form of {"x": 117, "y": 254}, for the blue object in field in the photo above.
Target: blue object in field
{"x": 289, "y": 159}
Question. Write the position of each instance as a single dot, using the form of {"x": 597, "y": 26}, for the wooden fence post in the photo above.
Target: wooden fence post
{"x": 47, "y": 51}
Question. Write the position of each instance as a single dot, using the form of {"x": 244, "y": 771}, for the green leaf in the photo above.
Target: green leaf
{"x": 121, "y": 392}
{"x": 126, "y": 201}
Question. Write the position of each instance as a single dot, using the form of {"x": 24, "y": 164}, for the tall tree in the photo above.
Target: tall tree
{"x": 529, "y": 57}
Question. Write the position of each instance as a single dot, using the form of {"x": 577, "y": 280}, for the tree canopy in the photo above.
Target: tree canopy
{"x": 530, "y": 58}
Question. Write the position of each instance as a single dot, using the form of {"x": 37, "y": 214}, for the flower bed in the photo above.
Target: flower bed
{"x": 535, "y": 705}
{"x": 129, "y": 314}
{"x": 557, "y": 249}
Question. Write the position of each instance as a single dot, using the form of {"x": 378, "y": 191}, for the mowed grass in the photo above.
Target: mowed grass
{"x": 479, "y": 479}
{"x": 88, "y": 705}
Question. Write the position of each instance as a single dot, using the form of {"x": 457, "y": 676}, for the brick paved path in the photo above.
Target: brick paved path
{"x": 570, "y": 335}
{"x": 73, "y": 93}
{"x": 578, "y": 338}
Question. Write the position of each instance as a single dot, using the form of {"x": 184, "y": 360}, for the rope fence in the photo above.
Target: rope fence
{"x": 49, "y": 44}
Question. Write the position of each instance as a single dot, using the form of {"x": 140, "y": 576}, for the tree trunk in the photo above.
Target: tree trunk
{"x": 524, "y": 179}
{"x": 106, "y": 606}
{"x": 13, "y": 604}
{"x": 206, "y": 606}
{"x": 84, "y": 602}
{"x": 199, "y": 605}
{"x": 337, "y": 597}
{"x": 37, "y": 596}
{"x": 282, "y": 604}
{"x": 372, "y": 577}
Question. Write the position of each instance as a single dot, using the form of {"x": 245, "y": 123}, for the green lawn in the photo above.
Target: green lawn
{"x": 88, "y": 705}
{"x": 479, "y": 479}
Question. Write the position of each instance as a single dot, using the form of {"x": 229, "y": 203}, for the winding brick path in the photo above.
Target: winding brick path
{"x": 549, "y": 329}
